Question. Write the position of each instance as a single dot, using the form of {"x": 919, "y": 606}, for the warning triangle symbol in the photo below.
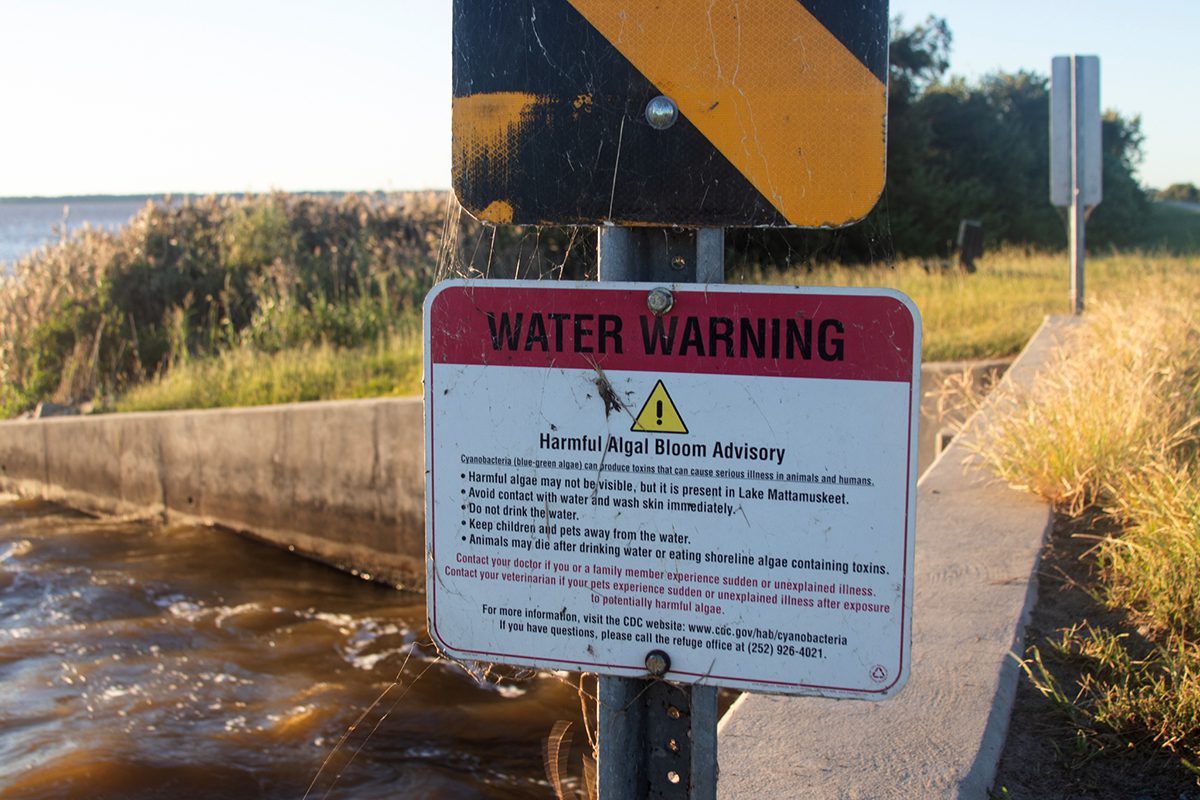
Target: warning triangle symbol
{"x": 659, "y": 414}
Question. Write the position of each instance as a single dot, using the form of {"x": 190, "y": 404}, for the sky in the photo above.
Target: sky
{"x": 155, "y": 96}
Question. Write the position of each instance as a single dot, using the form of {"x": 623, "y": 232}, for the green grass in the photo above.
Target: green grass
{"x": 246, "y": 377}
{"x": 992, "y": 313}
{"x": 1113, "y": 427}
{"x": 1173, "y": 229}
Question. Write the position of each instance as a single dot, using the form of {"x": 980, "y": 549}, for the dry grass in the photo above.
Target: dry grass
{"x": 1114, "y": 425}
{"x": 992, "y": 313}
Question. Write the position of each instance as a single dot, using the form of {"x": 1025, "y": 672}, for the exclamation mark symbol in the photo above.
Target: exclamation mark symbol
{"x": 659, "y": 414}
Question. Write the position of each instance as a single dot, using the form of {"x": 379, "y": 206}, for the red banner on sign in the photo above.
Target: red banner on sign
{"x": 825, "y": 334}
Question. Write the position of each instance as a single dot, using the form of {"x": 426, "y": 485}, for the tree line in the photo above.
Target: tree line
{"x": 1179, "y": 193}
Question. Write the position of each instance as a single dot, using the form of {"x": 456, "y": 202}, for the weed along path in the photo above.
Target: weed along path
{"x": 1046, "y": 753}
{"x": 1108, "y": 435}
{"x": 1097, "y": 698}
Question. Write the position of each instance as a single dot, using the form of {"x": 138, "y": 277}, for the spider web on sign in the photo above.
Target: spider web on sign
{"x": 473, "y": 249}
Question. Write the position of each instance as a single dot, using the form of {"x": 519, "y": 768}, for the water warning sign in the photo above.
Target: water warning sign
{"x": 754, "y": 520}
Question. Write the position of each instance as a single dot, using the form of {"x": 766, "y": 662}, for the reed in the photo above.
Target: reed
{"x": 99, "y": 312}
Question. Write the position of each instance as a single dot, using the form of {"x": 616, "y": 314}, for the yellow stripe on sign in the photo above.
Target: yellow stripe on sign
{"x": 487, "y": 129}
{"x": 774, "y": 91}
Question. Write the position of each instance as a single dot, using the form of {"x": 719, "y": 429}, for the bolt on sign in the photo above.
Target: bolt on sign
{"x": 731, "y": 482}
{"x": 712, "y": 114}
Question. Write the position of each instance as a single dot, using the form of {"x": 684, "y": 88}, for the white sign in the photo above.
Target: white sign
{"x": 732, "y": 483}
{"x": 1075, "y": 124}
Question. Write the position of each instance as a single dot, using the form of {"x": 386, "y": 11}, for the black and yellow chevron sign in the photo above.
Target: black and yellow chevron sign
{"x": 782, "y": 110}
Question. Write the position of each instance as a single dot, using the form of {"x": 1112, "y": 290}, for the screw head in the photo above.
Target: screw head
{"x": 661, "y": 112}
{"x": 660, "y": 301}
{"x": 658, "y": 663}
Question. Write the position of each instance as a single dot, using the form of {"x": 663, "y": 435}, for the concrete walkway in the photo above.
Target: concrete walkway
{"x": 978, "y": 543}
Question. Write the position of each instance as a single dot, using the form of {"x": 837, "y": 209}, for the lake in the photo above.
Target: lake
{"x": 28, "y": 223}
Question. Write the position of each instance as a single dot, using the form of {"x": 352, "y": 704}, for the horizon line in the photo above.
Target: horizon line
{"x": 163, "y": 195}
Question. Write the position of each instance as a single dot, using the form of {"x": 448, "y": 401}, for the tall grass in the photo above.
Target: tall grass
{"x": 101, "y": 312}
{"x": 390, "y": 367}
{"x": 992, "y": 313}
{"x": 1114, "y": 426}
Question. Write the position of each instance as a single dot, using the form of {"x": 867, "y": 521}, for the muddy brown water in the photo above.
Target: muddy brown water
{"x": 138, "y": 661}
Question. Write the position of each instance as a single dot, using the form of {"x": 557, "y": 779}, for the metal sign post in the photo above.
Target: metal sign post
{"x": 658, "y": 739}
{"x": 1076, "y": 158}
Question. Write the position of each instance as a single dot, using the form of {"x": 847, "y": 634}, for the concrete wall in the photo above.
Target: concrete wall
{"x": 340, "y": 481}
{"x": 945, "y": 386}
